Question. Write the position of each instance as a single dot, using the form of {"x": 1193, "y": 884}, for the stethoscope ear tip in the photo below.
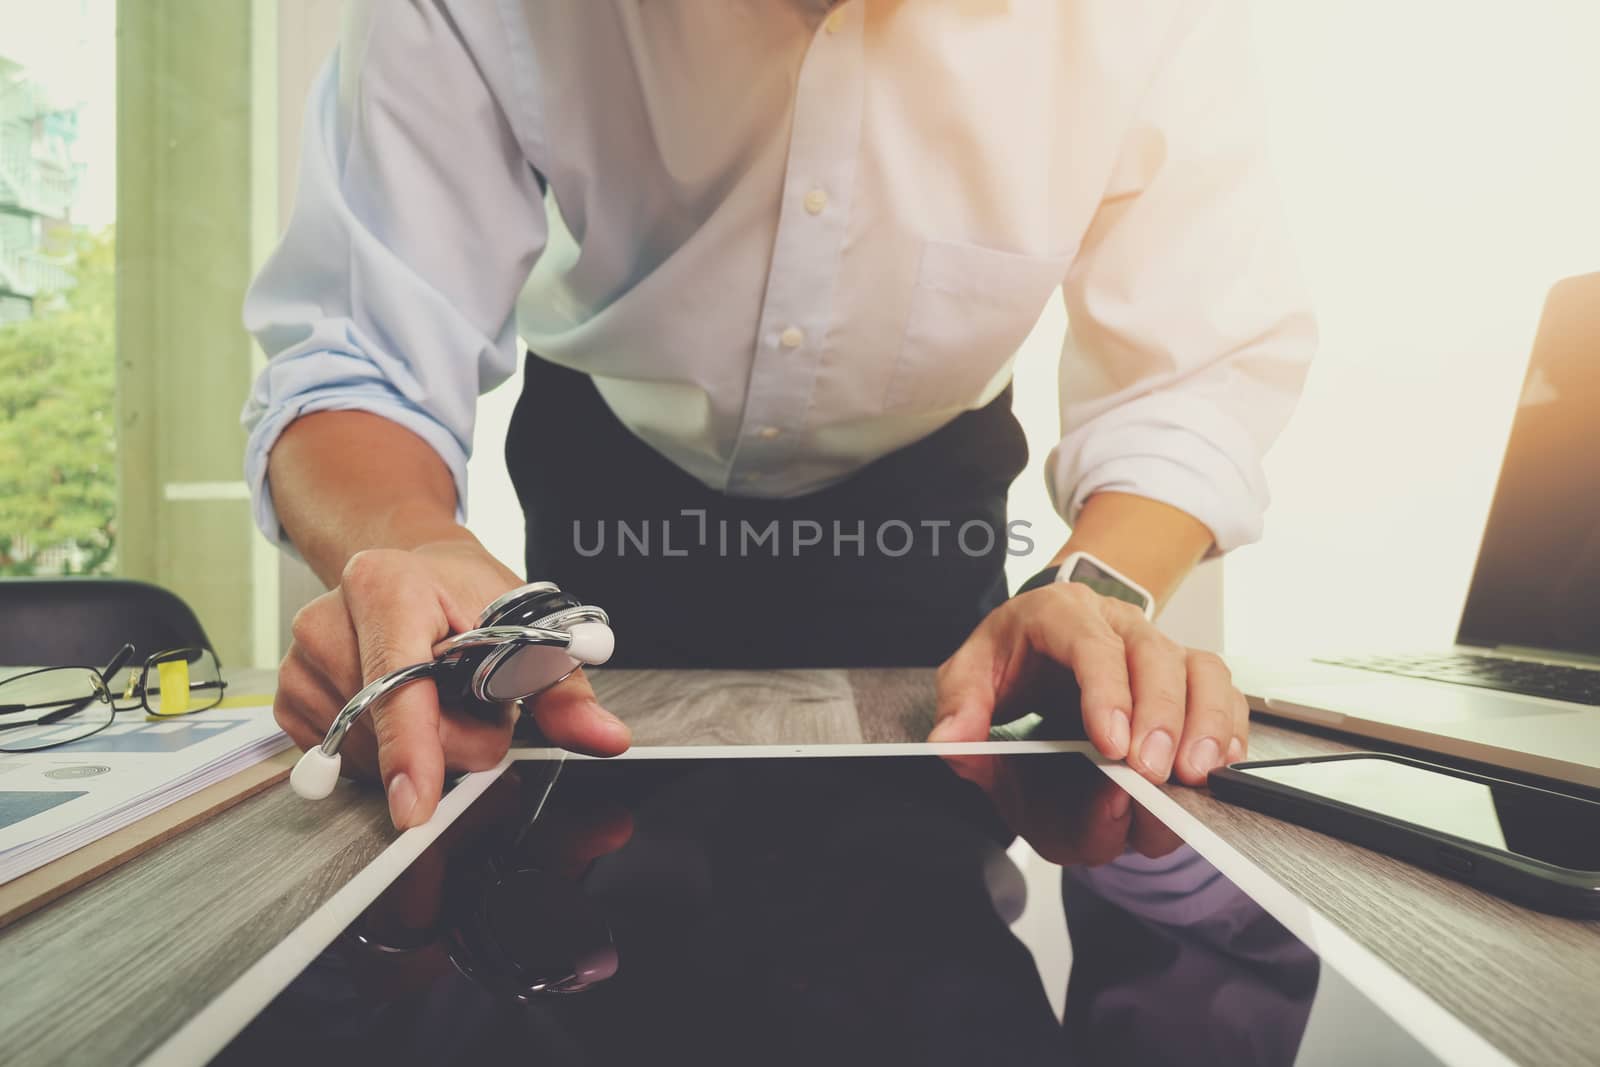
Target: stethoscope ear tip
{"x": 315, "y": 775}
{"x": 591, "y": 642}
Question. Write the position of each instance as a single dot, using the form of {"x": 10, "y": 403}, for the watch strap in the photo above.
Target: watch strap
{"x": 1039, "y": 581}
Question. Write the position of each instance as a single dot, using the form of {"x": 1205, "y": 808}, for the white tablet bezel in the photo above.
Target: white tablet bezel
{"x": 1444, "y": 1035}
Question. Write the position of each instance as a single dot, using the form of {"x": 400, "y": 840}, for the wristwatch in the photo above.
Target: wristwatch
{"x": 1088, "y": 569}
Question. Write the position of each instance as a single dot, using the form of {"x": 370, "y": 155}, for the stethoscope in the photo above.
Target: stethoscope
{"x": 526, "y": 641}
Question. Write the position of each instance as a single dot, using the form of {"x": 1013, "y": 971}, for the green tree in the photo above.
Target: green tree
{"x": 58, "y": 478}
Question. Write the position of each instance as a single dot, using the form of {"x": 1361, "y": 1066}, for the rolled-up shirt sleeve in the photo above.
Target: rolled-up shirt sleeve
{"x": 1185, "y": 297}
{"x": 418, "y": 216}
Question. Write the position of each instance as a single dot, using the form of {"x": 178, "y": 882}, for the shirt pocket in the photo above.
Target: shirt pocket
{"x": 970, "y": 311}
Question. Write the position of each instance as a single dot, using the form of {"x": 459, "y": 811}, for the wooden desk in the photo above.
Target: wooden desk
{"x": 103, "y": 975}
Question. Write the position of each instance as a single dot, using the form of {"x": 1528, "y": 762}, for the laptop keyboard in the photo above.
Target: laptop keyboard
{"x": 1577, "y": 685}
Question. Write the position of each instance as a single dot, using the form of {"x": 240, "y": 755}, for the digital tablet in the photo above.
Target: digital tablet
{"x": 1003, "y": 903}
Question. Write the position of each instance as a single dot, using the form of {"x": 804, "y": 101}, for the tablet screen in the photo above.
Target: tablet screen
{"x": 982, "y": 909}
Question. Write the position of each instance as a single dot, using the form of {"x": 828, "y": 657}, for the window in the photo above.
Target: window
{"x": 57, "y": 241}
{"x": 1439, "y": 164}
{"x": 136, "y": 194}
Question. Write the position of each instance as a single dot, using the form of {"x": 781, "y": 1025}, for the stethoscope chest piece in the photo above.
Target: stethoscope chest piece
{"x": 528, "y": 640}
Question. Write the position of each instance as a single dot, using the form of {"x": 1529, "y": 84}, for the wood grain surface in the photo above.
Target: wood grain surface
{"x": 152, "y": 941}
{"x": 733, "y": 707}
{"x": 1529, "y": 983}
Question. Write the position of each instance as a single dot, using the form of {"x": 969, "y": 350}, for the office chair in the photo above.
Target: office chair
{"x": 48, "y": 622}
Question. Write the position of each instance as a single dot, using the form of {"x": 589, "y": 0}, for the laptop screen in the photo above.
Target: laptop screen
{"x": 1537, "y": 583}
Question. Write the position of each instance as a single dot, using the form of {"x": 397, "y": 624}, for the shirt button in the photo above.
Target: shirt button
{"x": 793, "y": 337}
{"x": 767, "y": 433}
{"x": 816, "y": 200}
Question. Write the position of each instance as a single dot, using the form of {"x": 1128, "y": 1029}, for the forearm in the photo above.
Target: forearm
{"x": 1155, "y": 544}
{"x": 345, "y": 481}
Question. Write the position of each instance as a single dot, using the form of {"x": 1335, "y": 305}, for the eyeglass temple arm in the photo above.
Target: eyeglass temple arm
{"x": 117, "y": 662}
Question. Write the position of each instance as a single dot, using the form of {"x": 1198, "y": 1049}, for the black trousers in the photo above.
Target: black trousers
{"x": 893, "y": 567}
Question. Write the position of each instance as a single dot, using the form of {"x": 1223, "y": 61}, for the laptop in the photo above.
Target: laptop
{"x": 1521, "y": 688}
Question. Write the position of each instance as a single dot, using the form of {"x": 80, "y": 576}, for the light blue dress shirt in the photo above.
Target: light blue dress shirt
{"x": 785, "y": 241}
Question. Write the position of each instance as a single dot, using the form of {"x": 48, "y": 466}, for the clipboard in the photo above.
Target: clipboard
{"x": 28, "y": 893}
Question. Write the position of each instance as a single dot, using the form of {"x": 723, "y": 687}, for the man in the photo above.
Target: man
{"x": 771, "y": 260}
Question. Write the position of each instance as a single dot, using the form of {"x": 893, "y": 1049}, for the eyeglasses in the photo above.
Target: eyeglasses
{"x": 59, "y": 705}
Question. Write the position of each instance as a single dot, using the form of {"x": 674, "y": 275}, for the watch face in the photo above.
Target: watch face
{"x": 1087, "y": 572}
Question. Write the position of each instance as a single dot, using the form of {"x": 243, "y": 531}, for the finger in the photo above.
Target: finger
{"x": 1105, "y": 833}
{"x": 1079, "y": 816}
{"x": 1158, "y": 671}
{"x": 334, "y": 654}
{"x": 1208, "y": 724}
{"x": 1071, "y": 628}
{"x": 295, "y": 689}
{"x": 305, "y": 704}
{"x": 967, "y": 682}
{"x": 595, "y": 834}
{"x": 358, "y": 752}
{"x": 397, "y": 623}
{"x": 1095, "y": 808}
{"x": 471, "y": 743}
{"x": 301, "y": 684}
{"x": 571, "y": 718}
{"x": 1149, "y": 836}
{"x": 1239, "y": 746}
{"x": 287, "y": 715}
{"x": 313, "y": 703}
{"x": 321, "y": 672}
{"x": 981, "y": 771}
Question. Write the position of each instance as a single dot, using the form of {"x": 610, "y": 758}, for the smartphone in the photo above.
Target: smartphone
{"x": 1535, "y": 846}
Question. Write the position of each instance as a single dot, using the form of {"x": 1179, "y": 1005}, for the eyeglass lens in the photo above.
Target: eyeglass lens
{"x": 182, "y": 681}
{"x": 51, "y": 707}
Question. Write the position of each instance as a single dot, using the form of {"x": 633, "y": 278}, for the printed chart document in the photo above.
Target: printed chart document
{"x": 60, "y": 799}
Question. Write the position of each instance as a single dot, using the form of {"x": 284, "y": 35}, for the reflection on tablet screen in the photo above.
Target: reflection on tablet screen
{"x": 986, "y": 909}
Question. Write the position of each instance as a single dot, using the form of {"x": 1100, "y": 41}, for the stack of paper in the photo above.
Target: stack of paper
{"x": 60, "y": 799}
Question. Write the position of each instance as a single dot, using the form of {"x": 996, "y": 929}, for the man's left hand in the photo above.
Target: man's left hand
{"x": 1145, "y": 698}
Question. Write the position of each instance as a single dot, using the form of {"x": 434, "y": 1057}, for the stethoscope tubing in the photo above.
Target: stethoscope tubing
{"x": 369, "y": 695}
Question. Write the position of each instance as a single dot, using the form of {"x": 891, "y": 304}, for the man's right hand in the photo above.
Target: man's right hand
{"x": 390, "y": 608}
